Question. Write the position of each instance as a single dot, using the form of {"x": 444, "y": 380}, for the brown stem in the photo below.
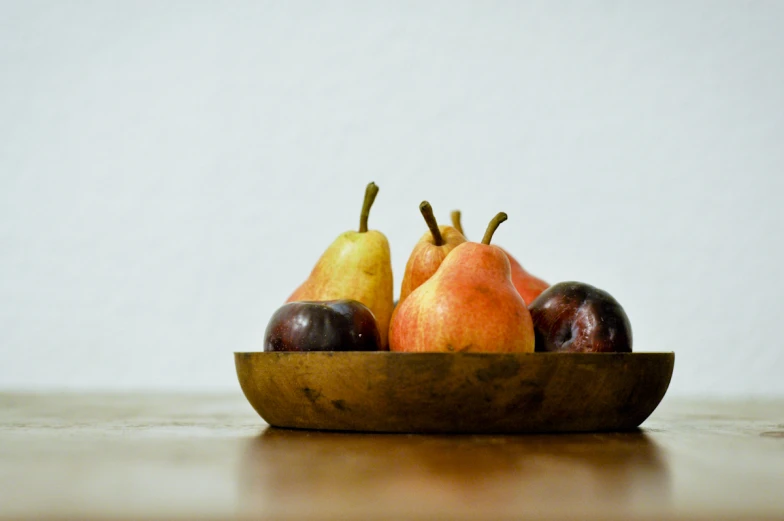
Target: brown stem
{"x": 430, "y": 219}
{"x": 498, "y": 219}
{"x": 456, "y": 222}
{"x": 370, "y": 196}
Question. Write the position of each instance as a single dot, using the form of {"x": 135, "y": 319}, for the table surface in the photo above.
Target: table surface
{"x": 211, "y": 457}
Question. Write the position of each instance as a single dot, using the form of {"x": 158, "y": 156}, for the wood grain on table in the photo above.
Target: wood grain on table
{"x": 211, "y": 457}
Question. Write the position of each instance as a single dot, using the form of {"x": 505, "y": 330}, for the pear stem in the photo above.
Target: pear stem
{"x": 498, "y": 219}
{"x": 430, "y": 219}
{"x": 370, "y": 195}
{"x": 456, "y": 222}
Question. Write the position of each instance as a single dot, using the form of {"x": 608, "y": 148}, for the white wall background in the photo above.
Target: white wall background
{"x": 170, "y": 171}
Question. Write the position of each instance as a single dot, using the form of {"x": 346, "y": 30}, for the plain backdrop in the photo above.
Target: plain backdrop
{"x": 170, "y": 171}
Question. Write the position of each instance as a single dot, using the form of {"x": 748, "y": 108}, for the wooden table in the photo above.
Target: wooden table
{"x": 211, "y": 457}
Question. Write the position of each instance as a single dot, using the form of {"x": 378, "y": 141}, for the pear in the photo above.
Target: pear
{"x": 526, "y": 284}
{"x": 356, "y": 266}
{"x": 468, "y": 305}
{"x": 529, "y": 286}
{"x": 429, "y": 252}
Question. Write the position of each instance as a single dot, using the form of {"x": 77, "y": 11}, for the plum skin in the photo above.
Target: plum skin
{"x": 334, "y": 325}
{"x": 575, "y": 317}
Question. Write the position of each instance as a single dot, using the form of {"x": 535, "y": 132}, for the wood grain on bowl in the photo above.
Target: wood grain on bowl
{"x": 460, "y": 393}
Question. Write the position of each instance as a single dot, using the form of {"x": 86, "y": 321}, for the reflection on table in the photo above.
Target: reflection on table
{"x": 308, "y": 473}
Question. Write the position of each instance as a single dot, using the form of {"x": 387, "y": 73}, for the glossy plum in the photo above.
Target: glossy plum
{"x": 335, "y": 325}
{"x": 574, "y": 317}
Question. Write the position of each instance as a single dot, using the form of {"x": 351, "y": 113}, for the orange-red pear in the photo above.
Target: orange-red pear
{"x": 429, "y": 252}
{"x": 528, "y": 285}
{"x": 468, "y": 305}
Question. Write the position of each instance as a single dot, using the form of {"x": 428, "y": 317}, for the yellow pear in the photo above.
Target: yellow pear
{"x": 356, "y": 266}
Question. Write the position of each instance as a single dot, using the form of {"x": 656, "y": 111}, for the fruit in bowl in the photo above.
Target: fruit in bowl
{"x": 335, "y": 325}
{"x": 469, "y": 320}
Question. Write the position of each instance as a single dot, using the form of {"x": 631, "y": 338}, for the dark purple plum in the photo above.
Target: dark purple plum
{"x": 573, "y": 317}
{"x": 332, "y": 325}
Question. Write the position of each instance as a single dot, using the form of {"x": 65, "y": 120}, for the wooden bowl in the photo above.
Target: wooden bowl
{"x": 454, "y": 392}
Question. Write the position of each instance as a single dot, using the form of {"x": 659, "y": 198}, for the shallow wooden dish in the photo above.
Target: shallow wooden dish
{"x": 458, "y": 393}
